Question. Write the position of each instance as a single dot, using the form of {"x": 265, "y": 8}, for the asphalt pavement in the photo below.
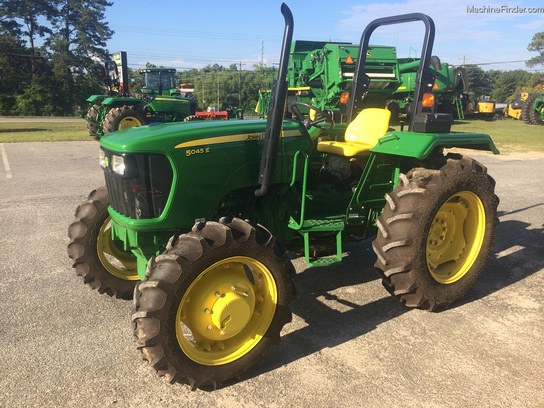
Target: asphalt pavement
{"x": 350, "y": 343}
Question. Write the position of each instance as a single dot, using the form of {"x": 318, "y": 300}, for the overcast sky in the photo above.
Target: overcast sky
{"x": 192, "y": 34}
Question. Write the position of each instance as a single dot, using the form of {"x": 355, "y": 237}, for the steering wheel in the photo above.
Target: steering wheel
{"x": 321, "y": 117}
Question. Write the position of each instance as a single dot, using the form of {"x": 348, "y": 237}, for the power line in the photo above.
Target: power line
{"x": 192, "y": 34}
{"x": 500, "y": 62}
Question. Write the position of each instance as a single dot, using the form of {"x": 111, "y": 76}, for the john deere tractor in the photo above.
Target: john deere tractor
{"x": 197, "y": 220}
{"x": 160, "y": 100}
{"x": 321, "y": 74}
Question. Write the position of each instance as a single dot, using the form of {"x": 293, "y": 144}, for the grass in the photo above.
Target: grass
{"x": 35, "y": 131}
{"x": 509, "y": 135}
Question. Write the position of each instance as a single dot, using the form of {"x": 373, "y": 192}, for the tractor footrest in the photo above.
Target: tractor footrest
{"x": 322, "y": 225}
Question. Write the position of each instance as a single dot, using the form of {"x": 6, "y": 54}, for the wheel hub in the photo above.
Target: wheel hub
{"x": 455, "y": 237}
{"x": 446, "y": 242}
{"x": 226, "y": 311}
{"x": 231, "y": 312}
{"x": 129, "y": 122}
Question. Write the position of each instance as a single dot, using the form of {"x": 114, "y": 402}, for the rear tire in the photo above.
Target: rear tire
{"x": 436, "y": 233}
{"x": 96, "y": 258}
{"x": 92, "y": 116}
{"x": 528, "y": 114}
{"x": 213, "y": 303}
{"x": 121, "y": 118}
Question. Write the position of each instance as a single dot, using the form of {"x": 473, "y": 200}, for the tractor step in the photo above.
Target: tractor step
{"x": 315, "y": 226}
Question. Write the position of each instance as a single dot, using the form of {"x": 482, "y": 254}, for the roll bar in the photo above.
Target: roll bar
{"x": 423, "y": 77}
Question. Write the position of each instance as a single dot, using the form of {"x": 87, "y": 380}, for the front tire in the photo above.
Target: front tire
{"x": 213, "y": 303}
{"x": 436, "y": 233}
{"x": 96, "y": 257}
{"x": 121, "y": 118}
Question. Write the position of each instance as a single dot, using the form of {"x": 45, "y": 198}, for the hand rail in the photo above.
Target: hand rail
{"x": 294, "y": 224}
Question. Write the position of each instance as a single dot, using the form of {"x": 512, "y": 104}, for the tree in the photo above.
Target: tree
{"x": 29, "y": 11}
{"x": 8, "y": 25}
{"x": 15, "y": 71}
{"x": 479, "y": 82}
{"x": 78, "y": 44}
{"x": 509, "y": 83}
{"x": 536, "y": 45}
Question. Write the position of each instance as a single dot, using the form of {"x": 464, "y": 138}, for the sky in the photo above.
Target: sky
{"x": 192, "y": 34}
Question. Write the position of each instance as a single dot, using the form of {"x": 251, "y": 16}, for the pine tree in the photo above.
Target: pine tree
{"x": 537, "y": 45}
{"x": 78, "y": 48}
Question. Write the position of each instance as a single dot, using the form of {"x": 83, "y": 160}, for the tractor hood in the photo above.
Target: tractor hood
{"x": 166, "y": 138}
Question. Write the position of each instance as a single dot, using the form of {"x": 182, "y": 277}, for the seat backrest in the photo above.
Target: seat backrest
{"x": 369, "y": 125}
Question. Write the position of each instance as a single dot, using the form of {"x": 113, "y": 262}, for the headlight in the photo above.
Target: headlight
{"x": 102, "y": 159}
{"x": 118, "y": 165}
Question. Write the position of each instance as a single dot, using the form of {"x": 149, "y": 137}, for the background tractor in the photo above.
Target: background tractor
{"x": 321, "y": 73}
{"x": 196, "y": 219}
{"x": 160, "y": 99}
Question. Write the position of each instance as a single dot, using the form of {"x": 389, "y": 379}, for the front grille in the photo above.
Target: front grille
{"x": 144, "y": 188}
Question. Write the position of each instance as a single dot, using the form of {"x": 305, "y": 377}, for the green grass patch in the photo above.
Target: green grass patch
{"x": 509, "y": 135}
{"x": 13, "y": 132}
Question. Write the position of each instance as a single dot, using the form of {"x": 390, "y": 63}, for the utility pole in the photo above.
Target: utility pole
{"x": 262, "y": 52}
{"x": 203, "y": 100}
{"x": 240, "y": 85}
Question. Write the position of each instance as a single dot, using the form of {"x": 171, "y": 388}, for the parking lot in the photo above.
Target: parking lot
{"x": 350, "y": 343}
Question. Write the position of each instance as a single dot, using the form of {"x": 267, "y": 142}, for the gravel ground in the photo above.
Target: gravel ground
{"x": 350, "y": 343}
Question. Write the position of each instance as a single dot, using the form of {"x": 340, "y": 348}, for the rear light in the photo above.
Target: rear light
{"x": 428, "y": 100}
{"x": 344, "y": 98}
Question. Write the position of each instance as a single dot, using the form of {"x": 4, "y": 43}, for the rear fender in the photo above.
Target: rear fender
{"x": 114, "y": 101}
{"x": 96, "y": 99}
{"x": 421, "y": 145}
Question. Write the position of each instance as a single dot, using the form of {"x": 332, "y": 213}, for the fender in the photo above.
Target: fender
{"x": 422, "y": 145}
{"x": 96, "y": 98}
{"x": 118, "y": 101}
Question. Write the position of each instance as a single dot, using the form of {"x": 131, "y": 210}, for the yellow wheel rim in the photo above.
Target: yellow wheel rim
{"x": 129, "y": 122}
{"x": 455, "y": 237}
{"x": 226, "y": 311}
{"x": 119, "y": 263}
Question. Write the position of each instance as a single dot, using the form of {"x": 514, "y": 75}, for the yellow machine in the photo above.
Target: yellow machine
{"x": 486, "y": 107}
{"x": 514, "y": 107}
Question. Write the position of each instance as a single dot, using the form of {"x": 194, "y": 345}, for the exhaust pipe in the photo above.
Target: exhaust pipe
{"x": 275, "y": 110}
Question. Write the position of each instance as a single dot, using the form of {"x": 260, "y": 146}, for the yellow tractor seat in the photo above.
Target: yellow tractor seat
{"x": 361, "y": 135}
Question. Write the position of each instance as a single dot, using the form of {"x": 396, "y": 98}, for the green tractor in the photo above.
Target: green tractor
{"x": 321, "y": 73}
{"x": 450, "y": 83}
{"x": 160, "y": 101}
{"x": 197, "y": 220}
{"x": 532, "y": 111}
